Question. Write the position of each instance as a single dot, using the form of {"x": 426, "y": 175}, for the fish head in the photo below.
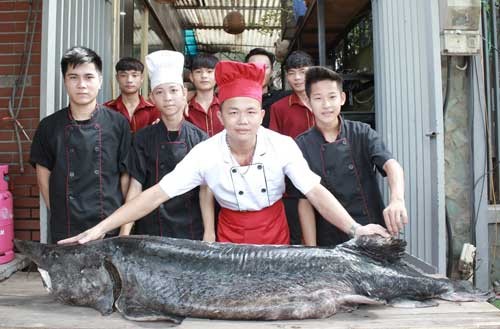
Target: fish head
{"x": 75, "y": 274}
{"x": 41, "y": 254}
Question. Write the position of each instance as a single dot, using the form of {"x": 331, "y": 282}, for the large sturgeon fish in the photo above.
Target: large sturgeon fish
{"x": 153, "y": 278}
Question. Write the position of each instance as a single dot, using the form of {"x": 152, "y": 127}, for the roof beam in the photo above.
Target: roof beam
{"x": 227, "y": 8}
{"x": 231, "y": 45}
{"x": 220, "y": 27}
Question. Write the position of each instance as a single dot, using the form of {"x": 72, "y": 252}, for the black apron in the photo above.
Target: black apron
{"x": 88, "y": 160}
{"x": 179, "y": 217}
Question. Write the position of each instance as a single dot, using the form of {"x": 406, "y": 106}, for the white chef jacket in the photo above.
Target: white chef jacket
{"x": 243, "y": 188}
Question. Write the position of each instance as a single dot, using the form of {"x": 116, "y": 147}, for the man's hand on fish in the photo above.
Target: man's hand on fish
{"x": 91, "y": 234}
{"x": 395, "y": 216}
{"x": 372, "y": 229}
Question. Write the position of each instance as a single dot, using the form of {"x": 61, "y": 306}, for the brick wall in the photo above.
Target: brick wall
{"x": 13, "y": 17}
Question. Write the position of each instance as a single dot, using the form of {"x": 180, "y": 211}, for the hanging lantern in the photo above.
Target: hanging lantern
{"x": 234, "y": 23}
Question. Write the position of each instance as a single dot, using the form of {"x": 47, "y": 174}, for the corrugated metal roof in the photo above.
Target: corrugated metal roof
{"x": 205, "y": 18}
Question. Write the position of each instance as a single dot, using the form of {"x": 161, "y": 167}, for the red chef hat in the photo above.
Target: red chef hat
{"x": 235, "y": 79}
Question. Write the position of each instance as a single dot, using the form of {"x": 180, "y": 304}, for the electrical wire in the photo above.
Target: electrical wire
{"x": 21, "y": 81}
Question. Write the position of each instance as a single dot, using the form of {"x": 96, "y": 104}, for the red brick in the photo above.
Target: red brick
{"x": 35, "y": 235}
{"x": 32, "y": 91}
{"x": 6, "y": 135}
{"x": 35, "y": 191}
{"x": 26, "y": 179}
{"x": 26, "y": 159}
{"x": 11, "y": 37}
{"x": 6, "y": 147}
{"x": 6, "y": 157}
{"x": 7, "y": 6}
{"x": 37, "y": 37}
{"x": 22, "y": 235}
{"x": 35, "y": 213}
{"x": 27, "y": 224}
{"x": 16, "y": 5}
{"x": 11, "y": 27}
{"x": 22, "y": 213}
{"x": 35, "y": 81}
{"x": 35, "y": 102}
{"x": 5, "y": 92}
{"x": 26, "y": 202}
{"x": 9, "y": 58}
{"x": 13, "y": 16}
{"x": 25, "y": 5}
{"x": 26, "y": 111}
{"x": 7, "y": 69}
{"x": 31, "y": 123}
{"x": 28, "y": 170}
{"x": 15, "y": 69}
{"x": 19, "y": 48}
{"x": 22, "y": 191}
{"x": 12, "y": 147}
{"x": 15, "y": 170}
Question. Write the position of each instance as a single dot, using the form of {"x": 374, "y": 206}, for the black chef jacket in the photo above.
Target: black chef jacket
{"x": 155, "y": 153}
{"x": 86, "y": 159}
{"x": 269, "y": 99}
{"x": 347, "y": 168}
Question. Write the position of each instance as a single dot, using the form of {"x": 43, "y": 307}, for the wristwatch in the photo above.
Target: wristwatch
{"x": 353, "y": 229}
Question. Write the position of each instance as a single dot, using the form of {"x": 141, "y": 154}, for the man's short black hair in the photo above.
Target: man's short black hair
{"x": 260, "y": 51}
{"x": 203, "y": 61}
{"x": 318, "y": 73}
{"x": 129, "y": 64}
{"x": 77, "y": 55}
{"x": 298, "y": 59}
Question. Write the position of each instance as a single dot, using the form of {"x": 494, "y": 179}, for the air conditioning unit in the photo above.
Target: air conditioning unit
{"x": 461, "y": 23}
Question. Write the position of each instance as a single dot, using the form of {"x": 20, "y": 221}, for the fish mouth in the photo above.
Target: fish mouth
{"x": 33, "y": 250}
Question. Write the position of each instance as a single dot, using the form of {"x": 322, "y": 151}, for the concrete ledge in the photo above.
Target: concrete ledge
{"x": 12, "y": 267}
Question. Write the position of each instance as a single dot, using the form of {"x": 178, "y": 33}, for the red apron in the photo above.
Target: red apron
{"x": 266, "y": 226}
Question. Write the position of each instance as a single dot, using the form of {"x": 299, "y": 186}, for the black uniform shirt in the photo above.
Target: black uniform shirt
{"x": 347, "y": 168}
{"x": 155, "y": 152}
{"x": 86, "y": 160}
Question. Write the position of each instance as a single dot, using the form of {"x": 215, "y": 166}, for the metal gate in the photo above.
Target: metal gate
{"x": 409, "y": 116}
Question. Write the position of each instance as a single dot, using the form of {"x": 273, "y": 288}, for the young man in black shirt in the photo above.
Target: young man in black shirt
{"x": 80, "y": 152}
{"x": 345, "y": 154}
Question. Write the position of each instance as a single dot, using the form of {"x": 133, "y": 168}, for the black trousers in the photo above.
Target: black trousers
{"x": 292, "y": 216}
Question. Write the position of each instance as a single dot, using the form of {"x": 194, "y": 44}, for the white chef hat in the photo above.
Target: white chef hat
{"x": 165, "y": 66}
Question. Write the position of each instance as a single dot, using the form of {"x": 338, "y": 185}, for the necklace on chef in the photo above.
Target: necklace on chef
{"x": 245, "y": 162}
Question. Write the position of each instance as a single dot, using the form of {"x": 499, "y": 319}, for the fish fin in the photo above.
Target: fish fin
{"x": 361, "y": 299}
{"x": 137, "y": 314}
{"x": 410, "y": 303}
{"x": 376, "y": 247}
{"x": 349, "y": 303}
